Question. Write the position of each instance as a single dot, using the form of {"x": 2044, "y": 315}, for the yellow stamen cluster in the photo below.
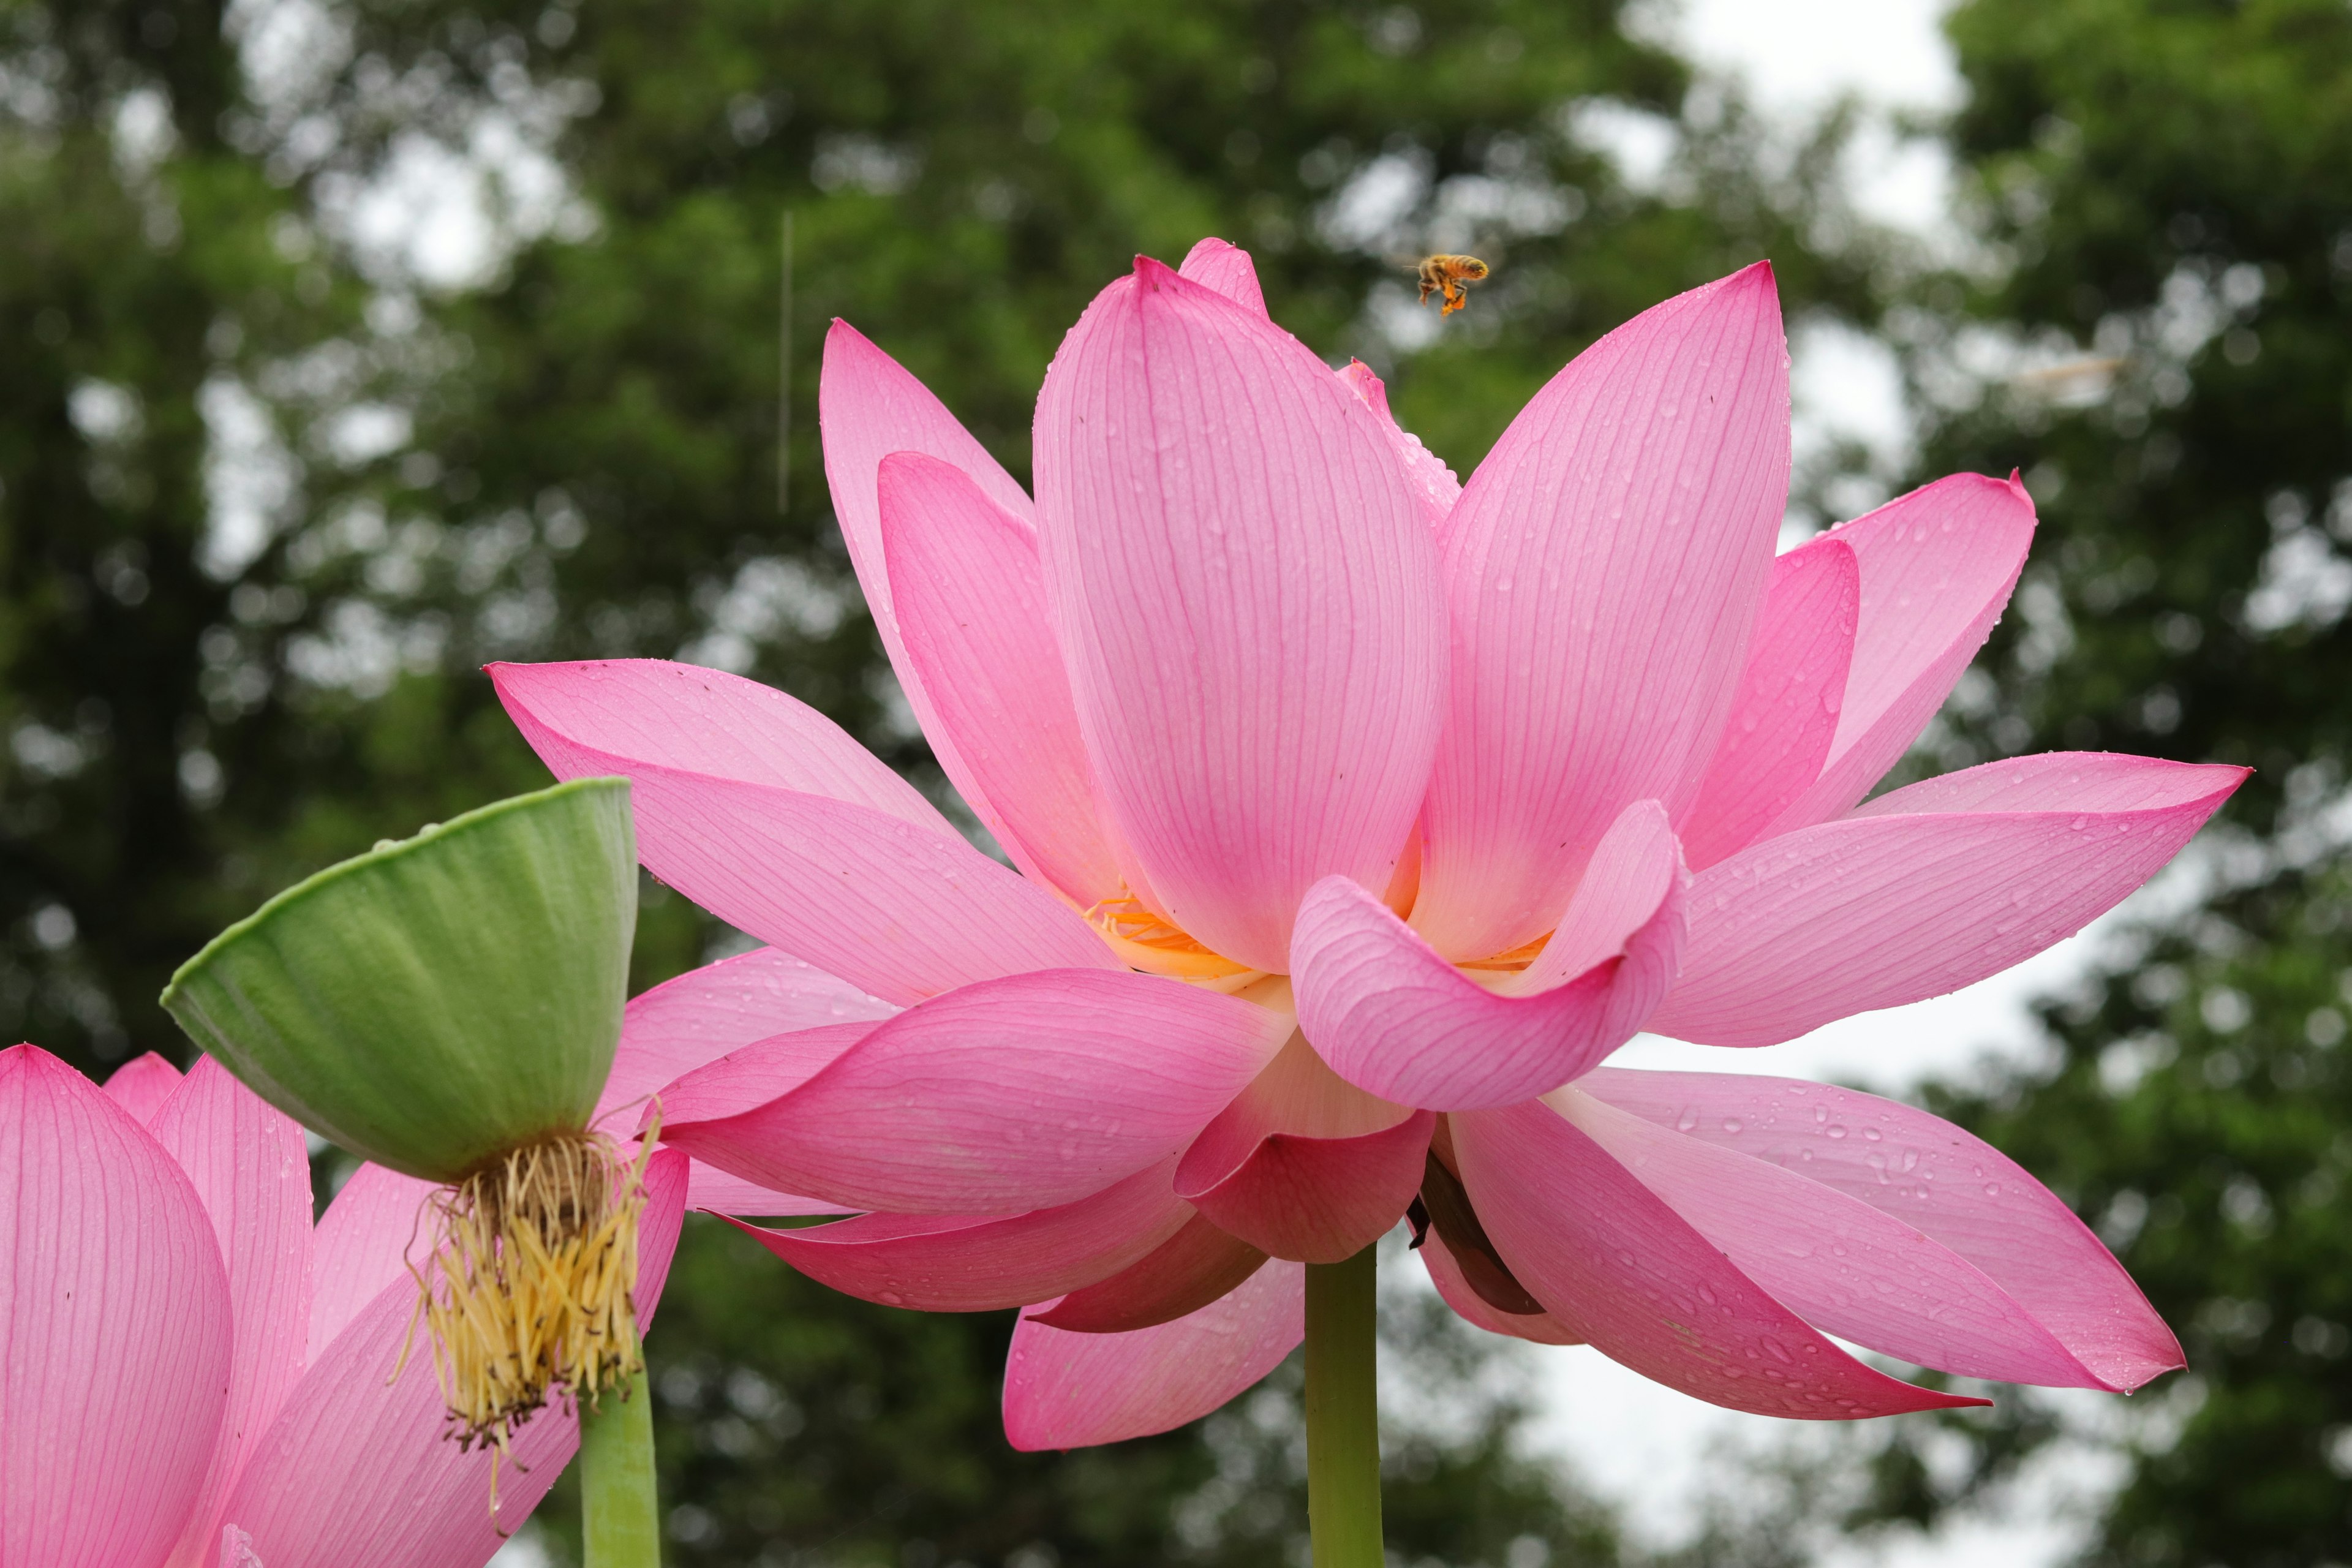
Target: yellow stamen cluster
{"x": 1143, "y": 940}
{"x": 1511, "y": 961}
{"x": 528, "y": 1291}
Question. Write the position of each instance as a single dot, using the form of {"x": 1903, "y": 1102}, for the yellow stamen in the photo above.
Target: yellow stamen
{"x": 1510, "y": 962}
{"x": 1143, "y": 940}
{"x": 528, "y": 1291}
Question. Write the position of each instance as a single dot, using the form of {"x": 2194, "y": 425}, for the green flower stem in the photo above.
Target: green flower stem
{"x": 1343, "y": 1418}
{"x": 620, "y": 1522}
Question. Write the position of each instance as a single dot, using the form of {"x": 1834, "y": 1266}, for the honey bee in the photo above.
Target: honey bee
{"x": 1450, "y": 276}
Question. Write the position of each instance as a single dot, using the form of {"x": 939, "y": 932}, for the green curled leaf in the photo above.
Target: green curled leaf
{"x": 435, "y": 1000}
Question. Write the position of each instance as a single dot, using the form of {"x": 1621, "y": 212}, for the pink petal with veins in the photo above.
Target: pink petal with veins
{"x": 1787, "y": 711}
{"x": 1001, "y": 1096}
{"x": 1938, "y": 565}
{"x": 1248, "y": 600}
{"x": 947, "y": 1263}
{"x": 1064, "y": 1390}
{"x": 116, "y": 1330}
{"x": 1926, "y": 890}
{"x": 1946, "y": 1183}
{"x": 1621, "y": 1270}
{"x": 973, "y": 615}
{"x": 1604, "y": 568}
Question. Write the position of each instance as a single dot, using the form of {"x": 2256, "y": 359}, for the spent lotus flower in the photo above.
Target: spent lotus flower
{"x": 1355, "y": 817}
{"x": 193, "y": 1374}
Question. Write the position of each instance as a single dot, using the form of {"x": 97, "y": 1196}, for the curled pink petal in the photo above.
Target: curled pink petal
{"x": 1183, "y": 1274}
{"x": 1226, "y": 267}
{"x": 614, "y": 716}
{"x": 1304, "y": 1165}
{"x": 1397, "y": 1021}
{"x": 1248, "y": 600}
{"x": 1938, "y": 565}
{"x": 1064, "y": 1390}
{"x": 1925, "y": 889}
{"x": 251, "y": 1170}
{"x": 1001, "y": 1096}
{"x": 1539, "y": 1328}
{"x": 1621, "y": 1270}
{"x": 1845, "y": 1267}
{"x": 115, "y": 1327}
{"x": 1604, "y": 567}
{"x": 944, "y": 1263}
{"x": 868, "y": 406}
{"x": 141, "y": 1085}
{"x": 976, "y": 626}
{"x": 1948, "y": 1183}
{"x": 1787, "y": 711}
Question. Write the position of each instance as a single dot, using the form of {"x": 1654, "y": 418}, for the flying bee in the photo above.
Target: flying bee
{"x": 1450, "y": 276}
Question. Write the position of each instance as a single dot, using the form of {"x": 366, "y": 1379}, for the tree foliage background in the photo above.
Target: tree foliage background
{"x": 354, "y": 342}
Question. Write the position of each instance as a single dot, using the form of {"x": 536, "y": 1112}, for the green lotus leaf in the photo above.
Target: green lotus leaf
{"x": 441, "y": 999}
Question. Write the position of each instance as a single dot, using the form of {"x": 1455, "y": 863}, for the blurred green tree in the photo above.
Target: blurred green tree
{"x": 2155, "y": 325}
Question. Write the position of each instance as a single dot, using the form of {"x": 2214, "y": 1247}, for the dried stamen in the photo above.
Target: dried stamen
{"x": 528, "y": 1289}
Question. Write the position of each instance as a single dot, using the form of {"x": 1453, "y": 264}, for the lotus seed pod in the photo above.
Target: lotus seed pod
{"x": 441, "y": 1000}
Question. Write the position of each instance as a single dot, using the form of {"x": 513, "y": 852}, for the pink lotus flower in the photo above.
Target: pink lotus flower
{"x": 191, "y": 1374}
{"x": 1358, "y": 816}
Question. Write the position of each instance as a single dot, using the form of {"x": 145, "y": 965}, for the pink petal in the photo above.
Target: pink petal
{"x": 1604, "y": 568}
{"x": 1951, "y": 1185}
{"x": 1001, "y": 1096}
{"x": 356, "y": 1470}
{"x": 142, "y": 1084}
{"x": 1397, "y": 1020}
{"x": 614, "y": 716}
{"x": 973, "y": 611}
{"x": 1925, "y": 889}
{"x": 705, "y": 1013}
{"x": 1787, "y": 710}
{"x": 1064, "y": 1390}
{"x": 1248, "y": 601}
{"x": 898, "y": 912}
{"x": 1540, "y": 1327}
{"x": 875, "y": 887}
{"x": 1183, "y": 1274}
{"x": 1425, "y": 473}
{"x": 115, "y": 1328}
{"x": 1621, "y": 1271}
{"x": 1843, "y": 1266}
{"x": 365, "y": 1240}
{"x": 251, "y": 1170}
{"x": 1227, "y": 268}
{"x": 868, "y": 407}
{"x": 1937, "y": 566}
{"x": 938, "y": 1263}
{"x": 1304, "y": 1165}
{"x": 666, "y": 1179}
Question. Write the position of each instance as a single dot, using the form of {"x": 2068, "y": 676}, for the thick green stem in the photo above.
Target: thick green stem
{"x": 1343, "y": 1417}
{"x": 620, "y": 1521}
